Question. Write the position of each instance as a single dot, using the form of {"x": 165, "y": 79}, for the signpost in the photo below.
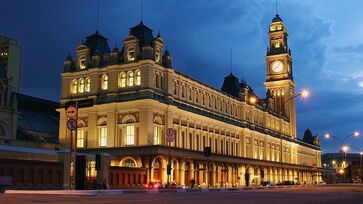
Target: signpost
{"x": 71, "y": 110}
{"x": 169, "y": 139}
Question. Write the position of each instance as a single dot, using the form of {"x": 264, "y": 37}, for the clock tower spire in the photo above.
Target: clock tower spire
{"x": 279, "y": 78}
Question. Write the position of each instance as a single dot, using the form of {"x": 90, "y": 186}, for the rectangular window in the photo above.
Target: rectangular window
{"x": 91, "y": 169}
{"x": 80, "y": 138}
{"x": 183, "y": 91}
{"x": 103, "y": 136}
{"x": 183, "y": 140}
{"x": 156, "y": 135}
{"x": 221, "y": 147}
{"x": 130, "y": 135}
{"x": 190, "y": 141}
{"x": 216, "y": 146}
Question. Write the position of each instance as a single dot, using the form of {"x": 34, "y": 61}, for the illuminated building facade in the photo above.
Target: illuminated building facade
{"x": 138, "y": 95}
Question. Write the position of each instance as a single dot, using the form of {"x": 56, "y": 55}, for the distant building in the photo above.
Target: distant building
{"x": 346, "y": 168}
{"x": 28, "y": 139}
{"x": 10, "y": 53}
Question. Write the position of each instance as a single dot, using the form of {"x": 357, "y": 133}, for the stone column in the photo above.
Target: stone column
{"x": 63, "y": 157}
{"x": 105, "y": 164}
{"x": 111, "y": 128}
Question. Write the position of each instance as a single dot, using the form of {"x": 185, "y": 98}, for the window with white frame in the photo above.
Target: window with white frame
{"x": 156, "y": 135}
{"x": 80, "y": 138}
{"x": 123, "y": 79}
{"x": 131, "y": 79}
{"x": 74, "y": 86}
{"x": 103, "y": 136}
{"x": 81, "y": 85}
{"x": 130, "y": 135}
{"x": 88, "y": 84}
{"x": 104, "y": 84}
{"x": 138, "y": 78}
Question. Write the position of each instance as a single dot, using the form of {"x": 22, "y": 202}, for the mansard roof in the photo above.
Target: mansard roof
{"x": 231, "y": 85}
{"x": 96, "y": 42}
{"x": 143, "y": 33}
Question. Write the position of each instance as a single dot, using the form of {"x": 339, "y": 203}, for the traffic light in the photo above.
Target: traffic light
{"x": 207, "y": 151}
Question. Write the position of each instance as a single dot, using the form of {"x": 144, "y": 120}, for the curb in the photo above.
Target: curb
{"x": 148, "y": 191}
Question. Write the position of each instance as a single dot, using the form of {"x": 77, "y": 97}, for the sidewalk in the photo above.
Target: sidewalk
{"x": 137, "y": 191}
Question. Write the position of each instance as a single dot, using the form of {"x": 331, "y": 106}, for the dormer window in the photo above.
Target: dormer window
{"x": 131, "y": 54}
{"x": 157, "y": 56}
{"x": 82, "y": 62}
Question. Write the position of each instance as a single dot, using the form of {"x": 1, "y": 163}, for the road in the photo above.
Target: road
{"x": 317, "y": 194}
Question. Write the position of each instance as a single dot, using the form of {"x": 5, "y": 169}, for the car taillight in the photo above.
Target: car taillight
{"x": 156, "y": 186}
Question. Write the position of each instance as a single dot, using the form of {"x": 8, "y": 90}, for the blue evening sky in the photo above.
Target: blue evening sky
{"x": 325, "y": 38}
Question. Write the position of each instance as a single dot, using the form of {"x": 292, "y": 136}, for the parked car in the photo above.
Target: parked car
{"x": 321, "y": 183}
{"x": 174, "y": 185}
{"x": 266, "y": 183}
{"x": 288, "y": 183}
{"x": 155, "y": 185}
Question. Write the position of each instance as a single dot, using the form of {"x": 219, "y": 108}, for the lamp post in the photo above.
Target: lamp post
{"x": 360, "y": 160}
{"x": 345, "y": 148}
{"x": 305, "y": 94}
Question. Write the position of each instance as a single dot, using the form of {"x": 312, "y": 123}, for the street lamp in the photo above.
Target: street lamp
{"x": 345, "y": 148}
{"x": 360, "y": 160}
{"x": 305, "y": 94}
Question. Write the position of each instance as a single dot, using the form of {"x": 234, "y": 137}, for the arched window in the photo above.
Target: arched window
{"x": 138, "y": 78}
{"x": 129, "y": 163}
{"x": 131, "y": 54}
{"x": 81, "y": 85}
{"x": 174, "y": 87}
{"x": 131, "y": 79}
{"x": 74, "y": 86}
{"x": 104, "y": 84}
{"x": 103, "y": 136}
{"x": 123, "y": 79}
{"x": 88, "y": 84}
{"x": 82, "y": 62}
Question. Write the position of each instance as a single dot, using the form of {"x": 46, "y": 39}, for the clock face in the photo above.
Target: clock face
{"x": 277, "y": 66}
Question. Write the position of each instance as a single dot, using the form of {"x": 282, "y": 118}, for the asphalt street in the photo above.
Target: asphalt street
{"x": 317, "y": 194}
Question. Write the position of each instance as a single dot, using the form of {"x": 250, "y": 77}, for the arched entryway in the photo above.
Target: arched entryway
{"x": 157, "y": 170}
{"x": 187, "y": 173}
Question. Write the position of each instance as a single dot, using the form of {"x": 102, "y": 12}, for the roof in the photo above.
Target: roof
{"x": 231, "y": 85}
{"x": 38, "y": 119}
{"x": 277, "y": 19}
{"x": 3, "y": 74}
{"x": 143, "y": 33}
{"x": 96, "y": 42}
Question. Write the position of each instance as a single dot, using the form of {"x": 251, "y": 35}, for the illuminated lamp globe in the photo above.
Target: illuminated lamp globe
{"x": 305, "y": 93}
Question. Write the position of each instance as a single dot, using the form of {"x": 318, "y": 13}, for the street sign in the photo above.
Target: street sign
{"x": 170, "y": 135}
{"x": 72, "y": 124}
{"x": 71, "y": 112}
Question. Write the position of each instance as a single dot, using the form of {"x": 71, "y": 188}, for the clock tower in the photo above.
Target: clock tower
{"x": 279, "y": 78}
